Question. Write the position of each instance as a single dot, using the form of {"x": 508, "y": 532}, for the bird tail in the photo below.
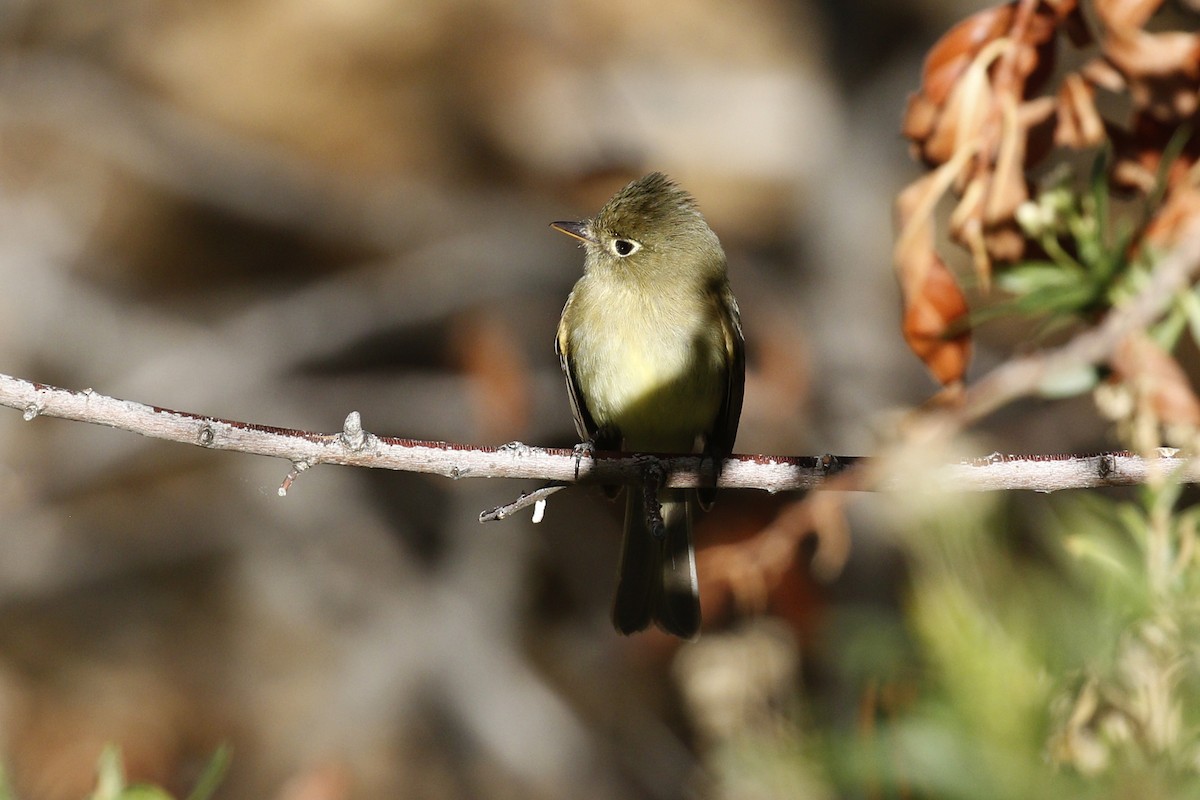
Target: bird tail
{"x": 657, "y": 582}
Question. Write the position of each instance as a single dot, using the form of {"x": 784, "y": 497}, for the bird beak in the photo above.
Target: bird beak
{"x": 576, "y": 230}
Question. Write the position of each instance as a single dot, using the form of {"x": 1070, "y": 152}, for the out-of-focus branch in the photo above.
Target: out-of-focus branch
{"x": 355, "y": 447}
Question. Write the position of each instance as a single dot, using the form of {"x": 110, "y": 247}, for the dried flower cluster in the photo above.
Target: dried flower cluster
{"x": 991, "y": 107}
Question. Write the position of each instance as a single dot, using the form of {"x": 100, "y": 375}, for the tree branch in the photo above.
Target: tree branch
{"x": 354, "y": 446}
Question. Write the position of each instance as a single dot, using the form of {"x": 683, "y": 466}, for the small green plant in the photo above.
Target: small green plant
{"x": 111, "y": 782}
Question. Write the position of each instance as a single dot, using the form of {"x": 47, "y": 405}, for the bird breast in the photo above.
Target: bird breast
{"x": 652, "y": 369}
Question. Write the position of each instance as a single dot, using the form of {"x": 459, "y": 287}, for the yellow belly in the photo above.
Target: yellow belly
{"x": 657, "y": 377}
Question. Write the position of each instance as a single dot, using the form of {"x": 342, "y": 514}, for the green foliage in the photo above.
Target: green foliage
{"x": 1086, "y": 266}
{"x": 1088, "y": 263}
{"x": 212, "y": 775}
{"x": 1061, "y": 662}
{"x": 111, "y": 783}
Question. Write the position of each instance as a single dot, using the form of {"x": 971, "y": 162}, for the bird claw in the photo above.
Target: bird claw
{"x": 580, "y": 450}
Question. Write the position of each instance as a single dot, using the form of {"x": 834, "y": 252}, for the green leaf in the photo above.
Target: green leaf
{"x": 1032, "y": 276}
{"x": 1100, "y": 551}
{"x": 1056, "y": 300}
{"x": 213, "y": 773}
{"x": 1170, "y": 153}
{"x": 1134, "y": 521}
{"x": 142, "y": 791}
{"x": 1098, "y": 182}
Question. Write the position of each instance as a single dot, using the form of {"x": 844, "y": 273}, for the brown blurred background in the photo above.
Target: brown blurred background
{"x": 280, "y": 211}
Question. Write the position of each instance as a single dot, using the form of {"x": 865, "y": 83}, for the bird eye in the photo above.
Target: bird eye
{"x": 625, "y": 247}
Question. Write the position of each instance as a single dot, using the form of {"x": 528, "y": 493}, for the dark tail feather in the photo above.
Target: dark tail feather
{"x": 657, "y": 581}
{"x": 678, "y": 598}
{"x": 639, "y": 569}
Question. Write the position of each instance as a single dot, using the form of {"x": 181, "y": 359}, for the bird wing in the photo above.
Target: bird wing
{"x": 585, "y": 426}
{"x": 719, "y": 441}
{"x": 724, "y": 431}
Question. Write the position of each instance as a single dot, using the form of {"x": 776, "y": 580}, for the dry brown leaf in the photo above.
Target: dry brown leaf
{"x": 1160, "y": 69}
{"x": 1179, "y": 210}
{"x": 1007, "y": 188}
{"x": 956, "y": 90}
{"x": 1005, "y": 242}
{"x": 980, "y": 109}
{"x": 750, "y": 560}
{"x": 1079, "y": 123}
{"x": 1103, "y": 75}
{"x": 933, "y": 303}
{"x": 920, "y": 117}
{"x": 952, "y": 55}
{"x": 966, "y": 226}
{"x": 1143, "y": 54}
{"x": 1037, "y": 118}
{"x": 914, "y": 210}
{"x": 934, "y": 325}
{"x": 975, "y": 93}
{"x": 1125, "y": 15}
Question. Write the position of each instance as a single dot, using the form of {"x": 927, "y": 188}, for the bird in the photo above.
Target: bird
{"x": 650, "y": 342}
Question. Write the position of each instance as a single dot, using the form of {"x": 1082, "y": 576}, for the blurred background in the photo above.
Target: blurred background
{"x": 280, "y": 211}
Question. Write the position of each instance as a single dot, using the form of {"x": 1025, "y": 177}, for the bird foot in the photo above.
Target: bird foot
{"x": 582, "y": 450}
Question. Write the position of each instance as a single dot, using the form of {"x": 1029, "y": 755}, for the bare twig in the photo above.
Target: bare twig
{"x": 356, "y": 447}
{"x": 526, "y": 499}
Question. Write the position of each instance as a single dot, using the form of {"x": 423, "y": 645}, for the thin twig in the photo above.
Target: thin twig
{"x": 524, "y": 501}
{"x": 355, "y": 447}
{"x": 514, "y": 460}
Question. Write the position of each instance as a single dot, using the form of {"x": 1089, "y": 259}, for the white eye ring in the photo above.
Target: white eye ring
{"x": 623, "y": 248}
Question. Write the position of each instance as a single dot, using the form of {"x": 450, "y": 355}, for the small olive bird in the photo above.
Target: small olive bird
{"x": 651, "y": 345}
